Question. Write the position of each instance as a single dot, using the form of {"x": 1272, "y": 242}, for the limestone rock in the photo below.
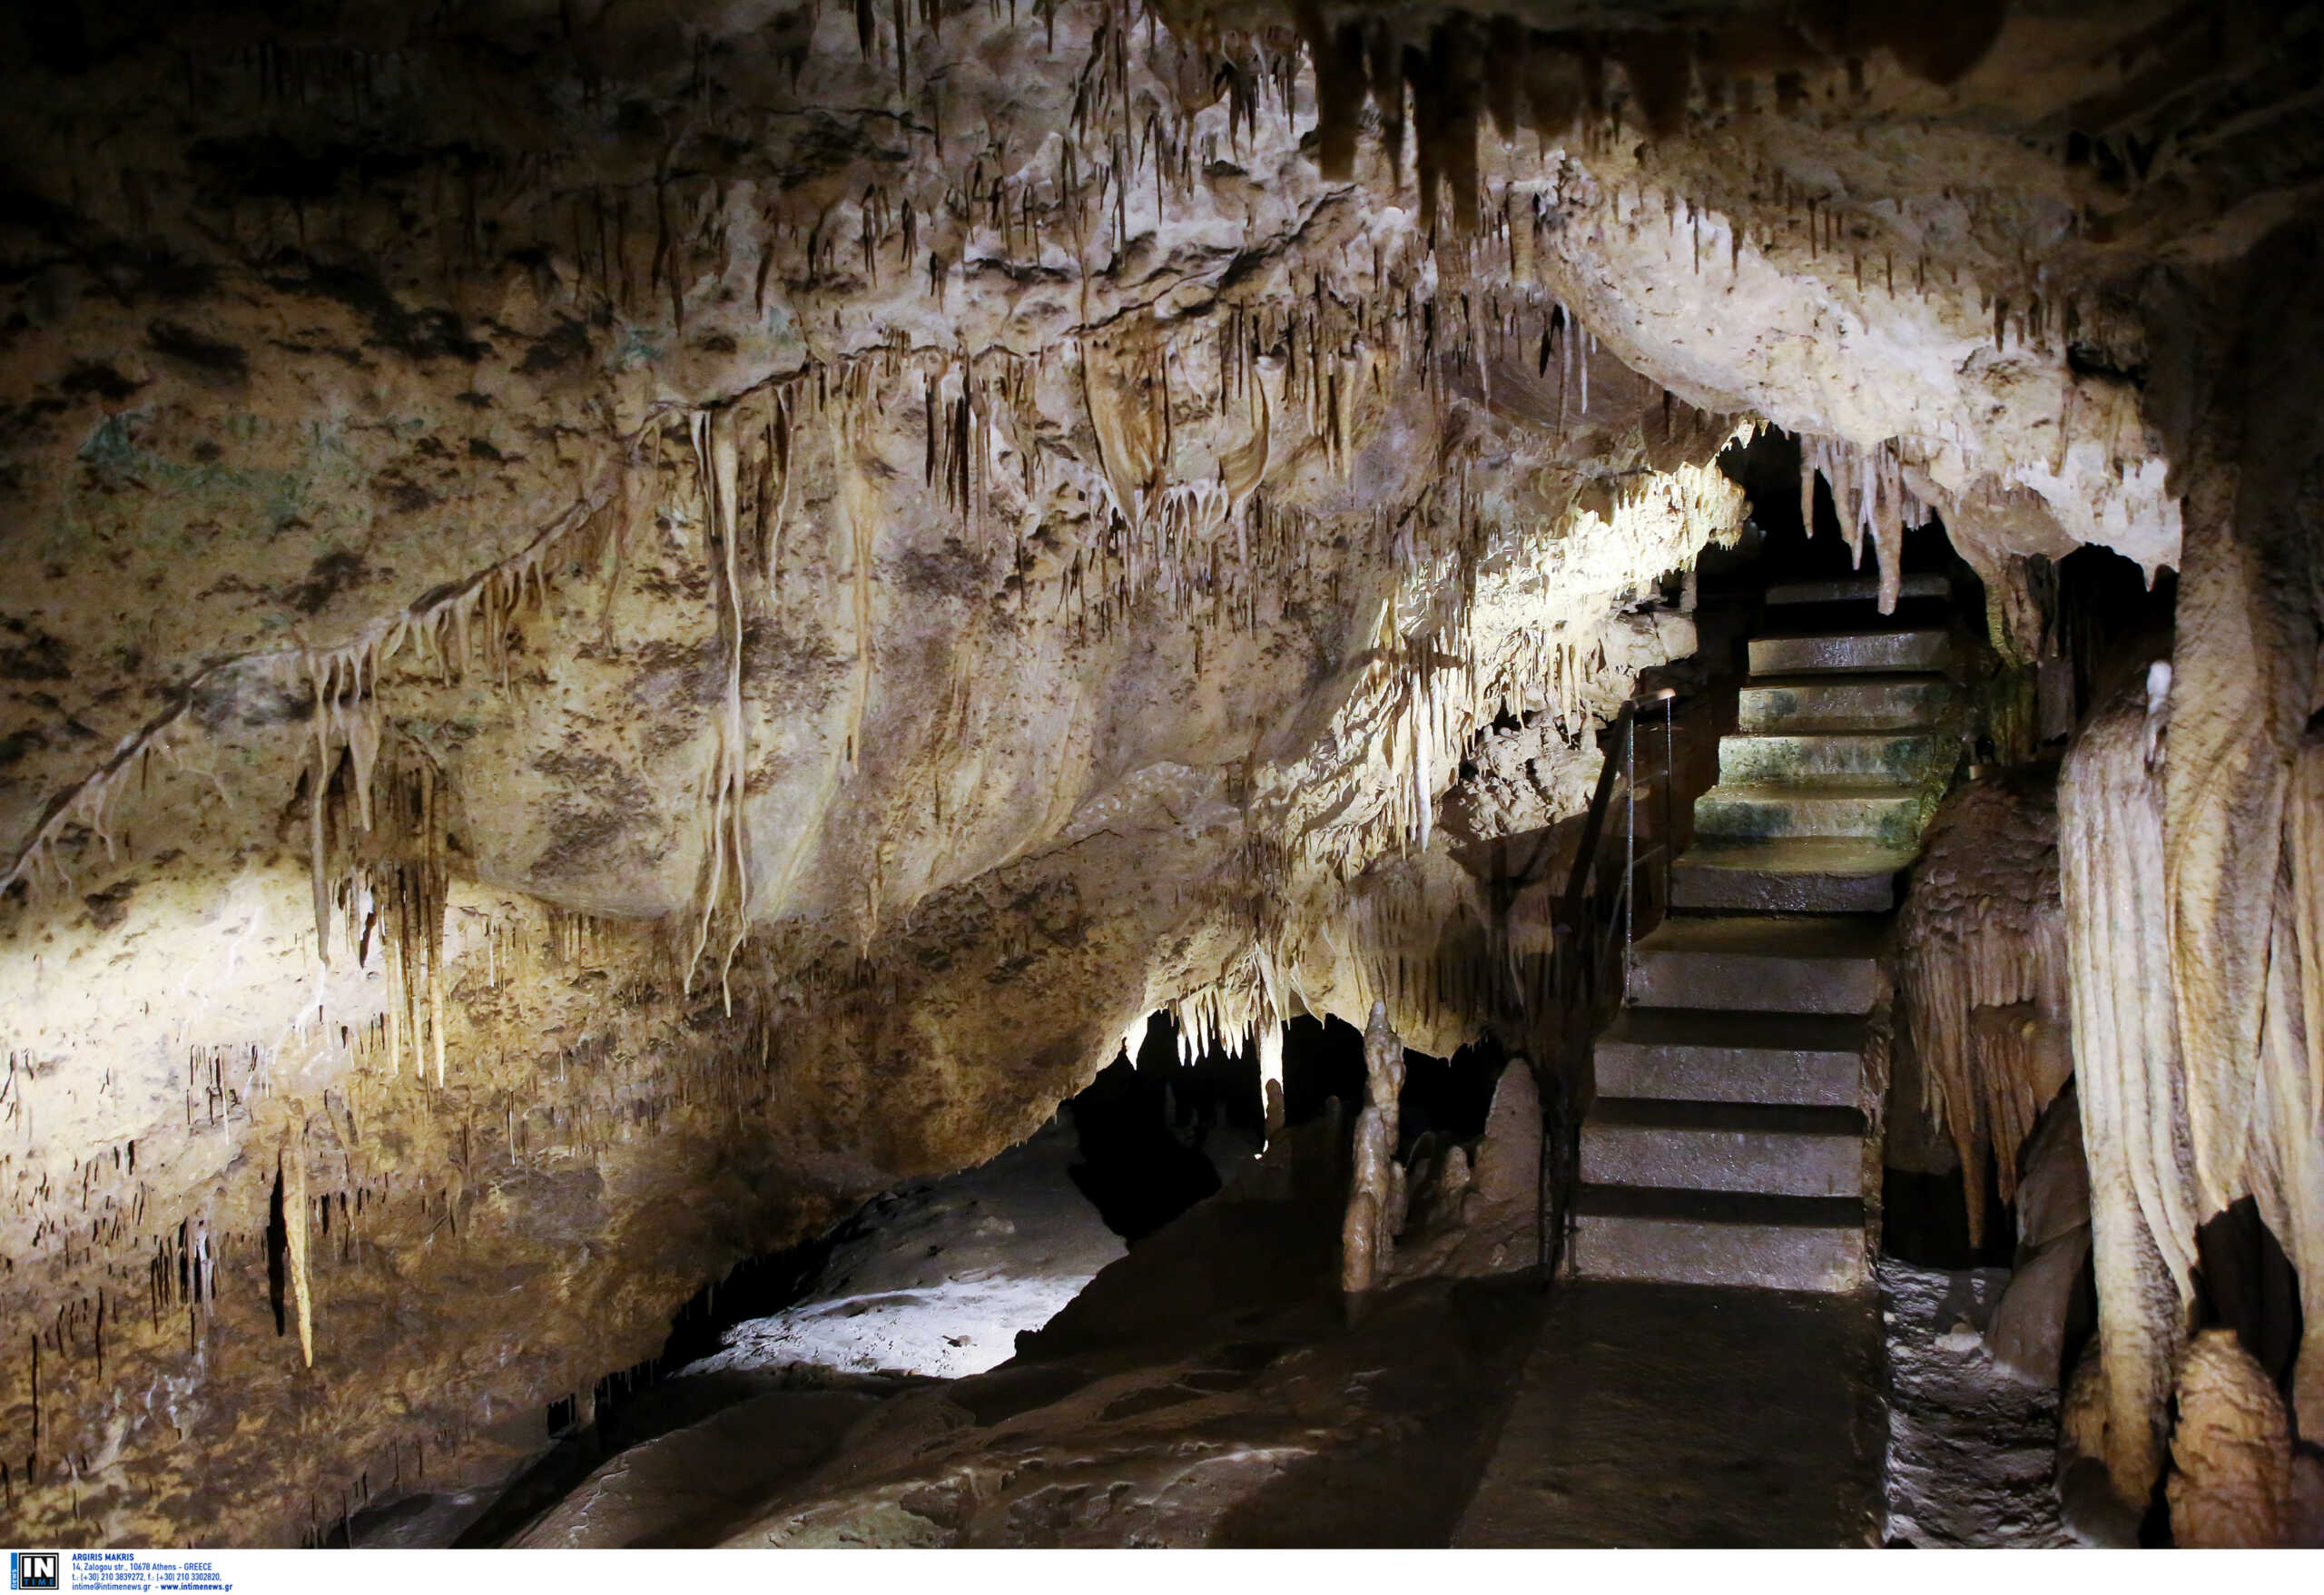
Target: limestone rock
{"x": 2053, "y": 1184}
{"x": 2027, "y": 1334}
{"x": 2089, "y": 1505}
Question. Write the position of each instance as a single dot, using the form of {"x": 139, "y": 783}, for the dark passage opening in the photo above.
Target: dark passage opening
{"x": 1452, "y": 1097}
{"x": 1154, "y": 1130}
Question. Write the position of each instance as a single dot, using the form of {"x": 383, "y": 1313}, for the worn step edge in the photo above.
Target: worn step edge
{"x": 1714, "y": 979}
{"x": 1843, "y": 703}
{"x": 1844, "y": 653}
{"x": 1747, "y": 1118}
{"x": 1692, "y": 1054}
{"x": 1854, "y": 589}
{"x": 1702, "y": 886}
{"x": 1738, "y": 1031}
{"x": 1722, "y": 1208}
{"x": 1793, "y": 1162}
{"x": 1781, "y": 936}
{"x": 1892, "y": 814}
{"x": 1904, "y": 758}
{"x": 1807, "y": 1244}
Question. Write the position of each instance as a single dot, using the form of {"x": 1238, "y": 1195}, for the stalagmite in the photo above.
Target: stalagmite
{"x": 2231, "y": 1456}
{"x": 1376, "y": 1203}
{"x": 1271, "y": 1080}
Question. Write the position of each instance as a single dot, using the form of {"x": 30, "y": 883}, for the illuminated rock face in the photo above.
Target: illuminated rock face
{"x": 764, "y": 589}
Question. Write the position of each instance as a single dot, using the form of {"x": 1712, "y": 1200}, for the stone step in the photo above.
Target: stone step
{"x": 1801, "y": 704}
{"x": 1890, "y": 815}
{"x": 1855, "y": 588}
{"x": 1769, "y": 1150}
{"x": 1901, "y": 758}
{"x": 1787, "y": 963}
{"x": 1685, "y": 1054}
{"x": 1928, "y": 649}
{"x": 1789, "y": 875}
{"x": 1698, "y": 1237}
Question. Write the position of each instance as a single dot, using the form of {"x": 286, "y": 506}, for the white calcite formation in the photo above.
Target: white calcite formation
{"x": 2128, "y": 1078}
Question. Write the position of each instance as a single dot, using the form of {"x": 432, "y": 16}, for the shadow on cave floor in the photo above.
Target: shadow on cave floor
{"x": 1689, "y": 1416}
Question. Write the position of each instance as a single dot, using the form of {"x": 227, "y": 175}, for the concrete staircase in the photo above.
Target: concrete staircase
{"x": 1727, "y": 1141}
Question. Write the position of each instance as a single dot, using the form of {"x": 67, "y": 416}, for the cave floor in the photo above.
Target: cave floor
{"x": 1690, "y": 1416}
{"x": 1211, "y": 1387}
{"x": 1504, "y": 1413}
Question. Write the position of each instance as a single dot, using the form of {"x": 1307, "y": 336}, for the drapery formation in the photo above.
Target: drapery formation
{"x": 2241, "y": 789}
{"x": 2193, "y": 862}
{"x": 1982, "y": 973}
{"x": 2126, "y": 1059}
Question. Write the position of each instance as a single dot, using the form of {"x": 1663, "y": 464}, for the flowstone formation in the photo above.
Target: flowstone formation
{"x": 1983, "y": 939}
{"x": 629, "y": 622}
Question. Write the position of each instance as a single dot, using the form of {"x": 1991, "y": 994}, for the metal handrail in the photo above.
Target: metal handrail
{"x": 1580, "y": 956}
{"x": 1593, "y": 826}
{"x": 1622, "y": 757}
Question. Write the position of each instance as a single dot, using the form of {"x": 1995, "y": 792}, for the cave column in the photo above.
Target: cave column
{"x": 2236, "y": 825}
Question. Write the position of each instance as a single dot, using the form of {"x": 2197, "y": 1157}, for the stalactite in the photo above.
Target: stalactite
{"x": 1338, "y": 55}
{"x": 1660, "y": 73}
{"x": 1870, "y": 501}
{"x": 397, "y": 881}
{"x": 343, "y": 678}
{"x": 726, "y": 840}
{"x": 291, "y": 1169}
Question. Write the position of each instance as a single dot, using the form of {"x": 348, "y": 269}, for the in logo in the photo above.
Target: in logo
{"x": 33, "y": 1569}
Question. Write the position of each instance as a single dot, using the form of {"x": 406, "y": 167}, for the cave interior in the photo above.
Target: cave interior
{"x": 1117, "y": 772}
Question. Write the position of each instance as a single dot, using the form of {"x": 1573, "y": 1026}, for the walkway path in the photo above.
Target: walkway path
{"x": 1690, "y": 1416}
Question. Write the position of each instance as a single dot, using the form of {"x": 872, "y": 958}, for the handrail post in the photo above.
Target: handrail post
{"x": 1629, "y": 849}
{"x": 1669, "y": 798}
{"x": 1593, "y": 828}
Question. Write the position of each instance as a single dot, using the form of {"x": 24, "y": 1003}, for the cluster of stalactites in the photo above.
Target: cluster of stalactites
{"x": 1871, "y": 499}
{"x": 1467, "y": 70}
{"x": 376, "y": 825}
{"x": 395, "y": 883}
